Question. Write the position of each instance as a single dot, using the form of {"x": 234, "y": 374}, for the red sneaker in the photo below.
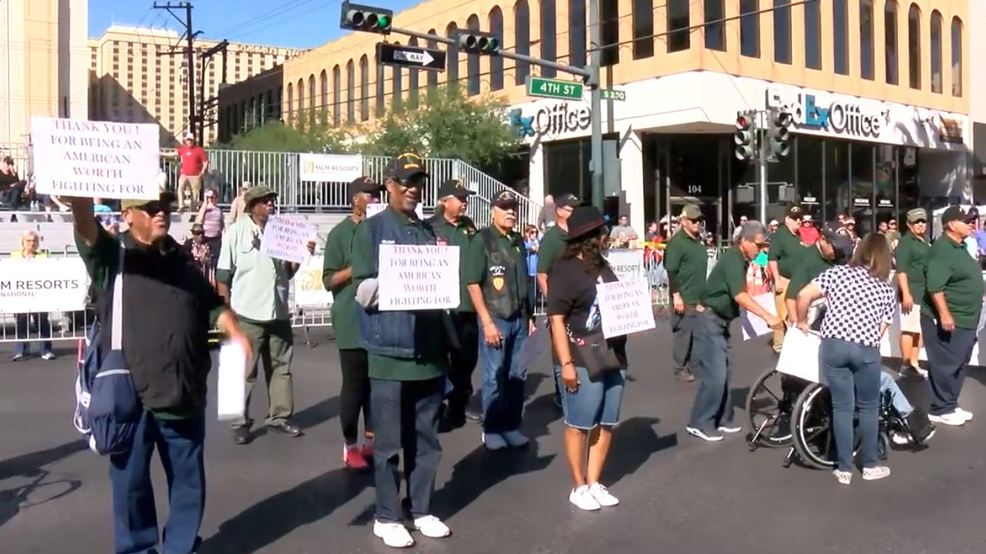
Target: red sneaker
{"x": 353, "y": 459}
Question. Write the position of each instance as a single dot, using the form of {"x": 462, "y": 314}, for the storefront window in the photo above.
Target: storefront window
{"x": 811, "y": 158}
{"x": 862, "y": 182}
{"x": 910, "y": 191}
{"x": 566, "y": 168}
{"x": 837, "y": 188}
{"x": 886, "y": 183}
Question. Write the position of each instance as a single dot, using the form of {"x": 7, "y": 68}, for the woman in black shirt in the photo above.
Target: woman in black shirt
{"x": 592, "y": 389}
{"x": 10, "y": 183}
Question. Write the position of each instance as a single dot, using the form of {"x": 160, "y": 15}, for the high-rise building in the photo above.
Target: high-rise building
{"x": 139, "y": 75}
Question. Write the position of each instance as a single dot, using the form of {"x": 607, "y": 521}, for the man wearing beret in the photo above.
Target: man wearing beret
{"x": 911, "y": 258}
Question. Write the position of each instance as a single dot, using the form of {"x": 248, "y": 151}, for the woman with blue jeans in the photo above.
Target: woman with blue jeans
{"x": 860, "y": 306}
{"x": 590, "y": 403}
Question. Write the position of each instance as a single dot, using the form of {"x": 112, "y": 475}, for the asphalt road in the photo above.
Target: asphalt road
{"x": 283, "y": 495}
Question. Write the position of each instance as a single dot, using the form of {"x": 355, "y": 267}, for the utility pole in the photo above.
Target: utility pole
{"x": 190, "y": 35}
{"x": 595, "y": 108}
{"x": 205, "y": 104}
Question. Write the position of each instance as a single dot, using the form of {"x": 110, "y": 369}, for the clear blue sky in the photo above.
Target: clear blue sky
{"x": 293, "y": 23}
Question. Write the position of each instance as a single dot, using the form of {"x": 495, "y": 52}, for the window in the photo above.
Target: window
{"x": 522, "y": 40}
{"x": 643, "y": 29}
{"x": 715, "y": 27}
{"x": 866, "y": 39}
{"x": 782, "y": 31}
{"x": 301, "y": 97}
{"x": 549, "y": 36}
{"x": 413, "y": 83}
{"x": 813, "y": 35}
{"x": 397, "y": 86}
{"x": 432, "y": 75}
{"x": 956, "y": 56}
{"x": 936, "y": 52}
{"x": 496, "y": 62}
{"x": 364, "y": 88}
{"x": 576, "y": 33}
{"x": 914, "y": 46}
{"x": 380, "y": 89}
{"x": 750, "y": 28}
{"x": 290, "y": 101}
{"x": 453, "y": 55}
{"x": 840, "y": 32}
{"x": 336, "y": 96}
{"x": 609, "y": 15}
{"x": 323, "y": 82}
{"x": 472, "y": 61}
{"x": 892, "y": 59}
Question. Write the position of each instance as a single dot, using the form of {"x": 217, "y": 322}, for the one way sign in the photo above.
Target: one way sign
{"x": 410, "y": 56}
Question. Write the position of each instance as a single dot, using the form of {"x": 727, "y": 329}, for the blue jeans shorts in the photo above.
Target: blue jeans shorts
{"x": 597, "y": 402}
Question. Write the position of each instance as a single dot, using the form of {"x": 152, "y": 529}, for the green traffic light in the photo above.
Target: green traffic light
{"x": 383, "y": 22}
{"x": 493, "y": 45}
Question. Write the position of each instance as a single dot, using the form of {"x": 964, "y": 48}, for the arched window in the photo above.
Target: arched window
{"x": 936, "y": 52}
{"x": 496, "y": 62}
{"x": 336, "y": 96}
{"x": 522, "y": 39}
{"x": 413, "y": 83}
{"x": 301, "y": 99}
{"x": 715, "y": 27}
{"x": 914, "y": 46}
{"x": 813, "y": 35}
{"x": 956, "y": 56}
{"x": 472, "y": 60}
{"x": 750, "y": 28}
{"x": 290, "y": 102}
{"x": 379, "y": 89}
{"x": 350, "y": 93}
{"x": 432, "y": 75}
{"x": 866, "y": 39}
{"x": 324, "y": 85}
{"x": 576, "y": 33}
{"x": 840, "y": 36}
{"x": 453, "y": 55}
{"x": 397, "y": 84}
{"x": 643, "y": 28}
{"x": 892, "y": 52}
{"x": 549, "y": 36}
{"x": 364, "y": 88}
{"x": 311, "y": 97}
{"x": 782, "y": 31}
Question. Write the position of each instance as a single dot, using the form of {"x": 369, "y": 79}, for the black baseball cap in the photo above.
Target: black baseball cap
{"x": 840, "y": 238}
{"x": 584, "y": 220}
{"x": 795, "y": 212}
{"x": 454, "y": 187}
{"x": 567, "y": 201}
{"x": 956, "y": 213}
{"x": 406, "y": 166}
{"x": 506, "y": 200}
{"x": 364, "y": 184}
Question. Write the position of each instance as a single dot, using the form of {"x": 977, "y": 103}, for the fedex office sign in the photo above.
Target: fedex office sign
{"x": 846, "y": 118}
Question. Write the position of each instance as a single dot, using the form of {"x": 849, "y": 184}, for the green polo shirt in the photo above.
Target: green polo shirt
{"x": 786, "y": 250}
{"x": 434, "y": 348}
{"x": 258, "y": 284}
{"x": 339, "y": 256}
{"x": 687, "y": 263}
{"x": 477, "y": 264}
{"x": 552, "y": 247}
{"x": 726, "y": 281}
{"x": 812, "y": 265}
{"x": 912, "y": 260}
{"x": 458, "y": 234}
{"x": 953, "y": 271}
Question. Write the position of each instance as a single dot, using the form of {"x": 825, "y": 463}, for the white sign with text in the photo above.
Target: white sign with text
{"x": 95, "y": 159}
{"x": 43, "y": 285}
{"x": 625, "y": 307}
{"x": 330, "y": 168}
{"x": 626, "y": 264}
{"x": 287, "y": 239}
{"x": 418, "y": 277}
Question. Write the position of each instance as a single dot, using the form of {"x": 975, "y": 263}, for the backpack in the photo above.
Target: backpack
{"x": 107, "y": 408}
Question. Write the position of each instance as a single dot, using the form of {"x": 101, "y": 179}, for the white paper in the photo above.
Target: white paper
{"x": 231, "y": 388}
{"x": 753, "y": 325}
{"x": 625, "y": 307}
{"x": 309, "y": 292}
{"x": 626, "y": 264}
{"x": 799, "y": 355}
{"x": 43, "y": 285}
{"x": 330, "y": 168}
{"x": 418, "y": 277}
{"x": 286, "y": 239}
{"x": 95, "y": 159}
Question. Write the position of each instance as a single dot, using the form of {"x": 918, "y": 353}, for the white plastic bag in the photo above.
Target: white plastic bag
{"x": 231, "y": 401}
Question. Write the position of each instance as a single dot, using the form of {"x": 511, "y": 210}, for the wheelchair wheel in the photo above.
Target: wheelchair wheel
{"x": 811, "y": 429}
{"x": 768, "y": 408}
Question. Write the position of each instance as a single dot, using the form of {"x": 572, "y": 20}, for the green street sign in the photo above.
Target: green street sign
{"x": 554, "y": 88}
{"x": 613, "y": 94}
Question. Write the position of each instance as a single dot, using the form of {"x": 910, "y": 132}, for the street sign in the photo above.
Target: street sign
{"x": 410, "y": 56}
{"x": 554, "y": 88}
{"x": 613, "y": 94}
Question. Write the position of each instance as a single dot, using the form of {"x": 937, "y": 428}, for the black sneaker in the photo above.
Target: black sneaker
{"x": 285, "y": 428}
{"x": 241, "y": 435}
{"x": 911, "y": 372}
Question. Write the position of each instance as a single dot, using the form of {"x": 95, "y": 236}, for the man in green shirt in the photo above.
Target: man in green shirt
{"x": 833, "y": 247}
{"x": 785, "y": 253}
{"x": 950, "y": 313}
{"x": 912, "y": 263}
{"x": 337, "y": 277}
{"x": 686, "y": 261}
{"x": 725, "y": 294}
{"x": 453, "y": 228}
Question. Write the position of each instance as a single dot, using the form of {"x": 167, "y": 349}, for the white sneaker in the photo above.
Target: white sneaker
{"x": 729, "y": 429}
{"x": 701, "y": 434}
{"x": 394, "y": 535}
{"x": 583, "y": 499}
{"x": 494, "y": 441}
{"x": 432, "y": 527}
{"x": 900, "y": 439}
{"x": 964, "y": 413}
{"x": 515, "y": 438}
{"x": 48, "y": 356}
{"x": 954, "y": 419}
{"x": 602, "y": 495}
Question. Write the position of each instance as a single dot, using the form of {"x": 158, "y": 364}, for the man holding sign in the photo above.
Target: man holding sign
{"x": 256, "y": 287}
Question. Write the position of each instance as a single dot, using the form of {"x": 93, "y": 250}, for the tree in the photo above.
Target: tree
{"x": 311, "y": 134}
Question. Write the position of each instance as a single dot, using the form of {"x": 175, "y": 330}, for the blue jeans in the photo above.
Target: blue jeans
{"x": 503, "y": 379}
{"x": 596, "y": 402}
{"x": 712, "y": 364}
{"x": 948, "y": 354}
{"x": 179, "y": 443}
{"x": 852, "y": 372}
{"x": 23, "y": 330}
{"x": 897, "y": 398}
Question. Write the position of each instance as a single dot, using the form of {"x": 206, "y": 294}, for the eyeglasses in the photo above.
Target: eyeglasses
{"x": 153, "y": 208}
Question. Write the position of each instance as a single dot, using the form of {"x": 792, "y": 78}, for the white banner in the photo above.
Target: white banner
{"x": 95, "y": 159}
{"x": 799, "y": 355}
{"x": 308, "y": 289}
{"x": 377, "y": 208}
{"x": 418, "y": 277}
{"x": 330, "y": 168}
{"x": 626, "y": 264}
{"x": 287, "y": 239}
{"x": 43, "y": 285}
{"x": 625, "y": 307}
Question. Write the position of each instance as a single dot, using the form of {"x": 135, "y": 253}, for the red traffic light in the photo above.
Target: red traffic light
{"x": 744, "y": 122}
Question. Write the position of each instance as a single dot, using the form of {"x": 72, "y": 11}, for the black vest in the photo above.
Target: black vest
{"x": 501, "y": 291}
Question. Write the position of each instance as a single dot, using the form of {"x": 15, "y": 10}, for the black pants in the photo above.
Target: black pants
{"x": 681, "y": 346}
{"x": 463, "y": 359}
{"x": 948, "y": 354}
{"x": 355, "y": 395}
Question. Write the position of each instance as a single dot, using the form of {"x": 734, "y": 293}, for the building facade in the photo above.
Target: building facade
{"x": 45, "y": 70}
{"x": 136, "y": 78}
{"x": 250, "y": 103}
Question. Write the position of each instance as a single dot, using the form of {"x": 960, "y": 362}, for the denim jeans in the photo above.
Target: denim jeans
{"x": 405, "y": 418}
{"x": 852, "y": 372}
{"x": 503, "y": 378}
{"x": 179, "y": 443}
{"x": 897, "y": 398}
{"x": 948, "y": 354}
{"x": 682, "y": 337}
{"x": 23, "y": 330}
{"x": 712, "y": 362}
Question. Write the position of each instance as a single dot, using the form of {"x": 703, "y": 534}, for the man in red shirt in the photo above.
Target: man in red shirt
{"x": 194, "y": 163}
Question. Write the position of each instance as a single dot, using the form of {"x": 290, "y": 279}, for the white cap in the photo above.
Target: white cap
{"x": 773, "y": 222}
{"x": 807, "y": 217}
{"x": 189, "y": 136}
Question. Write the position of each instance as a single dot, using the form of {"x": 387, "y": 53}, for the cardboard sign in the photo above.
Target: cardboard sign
{"x": 751, "y": 324}
{"x": 43, "y": 285}
{"x": 287, "y": 239}
{"x": 416, "y": 277}
{"x": 626, "y": 264}
{"x": 308, "y": 289}
{"x": 374, "y": 209}
{"x": 625, "y": 307}
{"x": 330, "y": 168}
{"x": 95, "y": 159}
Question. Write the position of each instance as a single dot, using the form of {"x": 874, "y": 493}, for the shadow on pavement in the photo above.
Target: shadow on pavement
{"x": 317, "y": 414}
{"x": 634, "y": 441}
{"x": 18, "y": 498}
{"x": 31, "y": 464}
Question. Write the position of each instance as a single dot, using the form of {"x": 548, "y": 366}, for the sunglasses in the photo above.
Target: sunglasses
{"x": 763, "y": 245}
{"x": 920, "y": 221}
{"x": 153, "y": 208}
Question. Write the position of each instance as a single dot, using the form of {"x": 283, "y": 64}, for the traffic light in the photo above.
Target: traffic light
{"x": 780, "y": 135}
{"x": 366, "y": 18}
{"x": 746, "y": 135}
{"x": 476, "y": 42}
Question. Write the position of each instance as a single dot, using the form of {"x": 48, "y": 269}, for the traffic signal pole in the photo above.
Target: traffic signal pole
{"x": 595, "y": 108}
{"x": 762, "y": 165}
